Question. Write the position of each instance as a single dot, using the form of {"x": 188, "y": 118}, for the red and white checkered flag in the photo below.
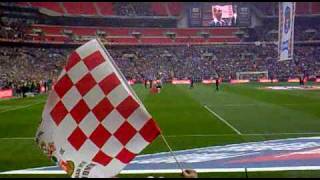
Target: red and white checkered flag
{"x": 93, "y": 124}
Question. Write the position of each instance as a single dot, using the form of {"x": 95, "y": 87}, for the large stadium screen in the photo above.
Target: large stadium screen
{"x": 222, "y": 16}
{"x": 218, "y": 15}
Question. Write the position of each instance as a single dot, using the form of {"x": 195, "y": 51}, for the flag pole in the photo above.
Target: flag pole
{"x": 132, "y": 91}
{"x": 171, "y": 152}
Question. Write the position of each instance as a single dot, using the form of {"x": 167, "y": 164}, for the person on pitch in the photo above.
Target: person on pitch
{"x": 217, "y": 83}
{"x": 146, "y": 83}
{"x": 191, "y": 82}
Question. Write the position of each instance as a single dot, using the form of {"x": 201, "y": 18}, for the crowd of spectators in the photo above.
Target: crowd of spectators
{"x": 24, "y": 66}
{"x": 21, "y": 65}
{"x": 13, "y": 28}
{"x": 132, "y": 9}
{"x": 304, "y": 30}
{"x": 26, "y": 69}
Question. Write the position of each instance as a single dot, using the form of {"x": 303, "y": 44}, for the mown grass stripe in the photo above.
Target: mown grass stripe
{"x": 22, "y": 107}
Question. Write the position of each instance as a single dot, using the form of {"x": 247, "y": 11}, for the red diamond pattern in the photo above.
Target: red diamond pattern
{"x": 93, "y": 60}
{"x": 150, "y": 131}
{"x": 109, "y": 83}
{"x": 80, "y": 111}
{"x": 99, "y": 136}
{"x": 74, "y": 58}
{"x": 127, "y": 107}
{"x": 102, "y": 109}
{"x": 85, "y": 84}
{"x": 58, "y": 113}
{"x": 125, "y": 133}
{"x": 125, "y": 156}
{"x": 63, "y": 86}
{"x": 77, "y": 138}
{"x": 102, "y": 158}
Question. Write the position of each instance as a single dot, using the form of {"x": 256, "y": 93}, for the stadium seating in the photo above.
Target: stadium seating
{"x": 265, "y": 7}
{"x": 54, "y": 6}
{"x": 155, "y": 40}
{"x": 302, "y": 8}
{"x": 315, "y": 8}
{"x": 149, "y": 35}
{"x": 175, "y": 8}
{"x": 159, "y": 9}
{"x": 105, "y": 8}
{"x": 80, "y": 8}
{"x": 24, "y": 4}
{"x": 101, "y": 8}
{"x": 122, "y": 40}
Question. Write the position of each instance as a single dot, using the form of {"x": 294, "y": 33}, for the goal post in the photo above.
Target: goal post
{"x": 252, "y": 75}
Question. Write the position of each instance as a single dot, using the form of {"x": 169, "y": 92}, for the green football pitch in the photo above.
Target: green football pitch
{"x": 188, "y": 118}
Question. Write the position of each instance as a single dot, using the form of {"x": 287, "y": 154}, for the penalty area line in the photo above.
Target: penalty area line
{"x": 221, "y": 119}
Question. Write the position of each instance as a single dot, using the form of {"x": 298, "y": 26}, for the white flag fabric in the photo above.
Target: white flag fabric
{"x": 93, "y": 124}
{"x": 286, "y": 30}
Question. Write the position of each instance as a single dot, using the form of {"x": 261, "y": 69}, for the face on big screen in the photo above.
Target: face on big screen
{"x": 217, "y": 13}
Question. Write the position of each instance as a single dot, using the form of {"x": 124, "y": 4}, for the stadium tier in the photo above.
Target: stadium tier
{"x": 302, "y": 8}
{"x": 155, "y": 8}
{"x": 108, "y": 8}
{"x": 125, "y": 35}
{"x": 180, "y": 62}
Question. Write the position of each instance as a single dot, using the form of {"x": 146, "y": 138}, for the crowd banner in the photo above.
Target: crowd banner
{"x": 268, "y": 80}
{"x": 293, "y": 80}
{"x": 6, "y": 93}
{"x": 210, "y": 81}
{"x": 181, "y": 82}
{"x": 233, "y": 81}
{"x": 286, "y": 30}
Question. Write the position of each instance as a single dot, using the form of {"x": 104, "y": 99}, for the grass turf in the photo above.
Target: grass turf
{"x": 257, "y": 114}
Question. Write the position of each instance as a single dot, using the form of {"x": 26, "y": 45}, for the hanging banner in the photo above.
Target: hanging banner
{"x": 286, "y": 30}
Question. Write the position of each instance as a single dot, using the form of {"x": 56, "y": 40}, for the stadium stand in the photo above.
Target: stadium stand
{"x": 302, "y": 8}
{"x": 315, "y": 8}
{"x": 105, "y": 8}
{"x": 109, "y": 8}
{"x": 149, "y": 35}
{"x": 159, "y": 9}
{"x": 80, "y": 8}
{"x": 185, "y": 48}
{"x": 42, "y": 63}
{"x": 54, "y": 6}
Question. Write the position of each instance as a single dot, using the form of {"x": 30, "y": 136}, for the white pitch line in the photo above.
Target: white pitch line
{"x": 223, "y": 120}
{"x": 261, "y": 134}
{"x": 252, "y": 104}
{"x": 21, "y": 107}
{"x": 165, "y": 171}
